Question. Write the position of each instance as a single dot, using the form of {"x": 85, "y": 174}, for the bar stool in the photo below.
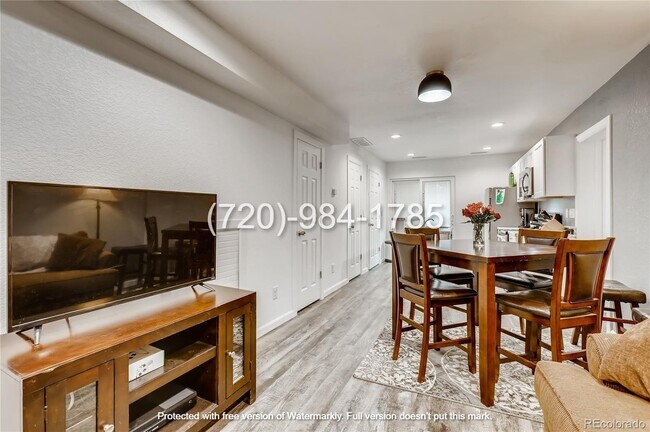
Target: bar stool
{"x": 617, "y": 293}
{"x": 640, "y": 314}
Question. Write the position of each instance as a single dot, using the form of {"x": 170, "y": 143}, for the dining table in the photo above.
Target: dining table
{"x": 485, "y": 261}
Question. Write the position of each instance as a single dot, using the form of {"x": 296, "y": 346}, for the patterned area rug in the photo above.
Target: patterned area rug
{"x": 447, "y": 374}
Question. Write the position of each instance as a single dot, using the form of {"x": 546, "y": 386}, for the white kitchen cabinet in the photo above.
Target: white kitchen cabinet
{"x": 538, "y": 163}
{"x": 553, "y": 161}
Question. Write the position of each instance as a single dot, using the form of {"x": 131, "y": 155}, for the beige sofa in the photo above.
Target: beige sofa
{"x": 573, "y": 399}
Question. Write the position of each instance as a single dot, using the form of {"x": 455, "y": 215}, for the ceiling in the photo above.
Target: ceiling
{"x": 528, "y": 64}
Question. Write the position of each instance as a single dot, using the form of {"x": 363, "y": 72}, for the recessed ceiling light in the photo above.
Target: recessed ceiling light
{"x": 487, "y": 148}
{"x": 410, "y": 154}
{"x": 396, "y": 136}
{"x": 497, "y": 124}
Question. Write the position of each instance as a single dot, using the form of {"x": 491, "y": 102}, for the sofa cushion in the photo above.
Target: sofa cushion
{"x": 30, "y": 252}
{"x": 75, "y": 252}
{"x": 572, "y": 400}
{"x": 627, "y": 362}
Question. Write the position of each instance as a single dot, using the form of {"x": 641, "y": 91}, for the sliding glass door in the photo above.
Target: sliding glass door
{"x": 423, "y": 201}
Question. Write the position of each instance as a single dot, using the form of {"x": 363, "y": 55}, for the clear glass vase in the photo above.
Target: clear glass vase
{"x": 479, "y": 234}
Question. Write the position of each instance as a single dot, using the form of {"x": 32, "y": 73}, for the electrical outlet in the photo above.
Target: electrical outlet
{"x": 333, "y": 268}
{"x": 275, "y": 292}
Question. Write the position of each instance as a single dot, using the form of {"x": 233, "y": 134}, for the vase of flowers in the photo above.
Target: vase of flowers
{"x": 479, "y": 216}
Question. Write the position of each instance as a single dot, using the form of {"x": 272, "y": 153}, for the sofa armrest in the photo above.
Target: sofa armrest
{"x": 597, "y": 346}
{"x": 106, "y": 260}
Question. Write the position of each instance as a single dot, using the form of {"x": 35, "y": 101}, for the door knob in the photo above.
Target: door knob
{"x": 301, "y": 233}
{"x": 231, "y": 354}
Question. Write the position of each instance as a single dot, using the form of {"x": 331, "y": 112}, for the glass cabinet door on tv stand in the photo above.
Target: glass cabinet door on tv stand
{"x": 81, "y": 403}
{"x": 238, "y": 342}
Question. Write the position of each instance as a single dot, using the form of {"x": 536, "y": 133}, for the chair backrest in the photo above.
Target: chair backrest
{"x": 541, "y": 237}
{"x": 431, "y": 234}
{"x": 411, "y": 255}
{"x": 151, "y": 226}
{"x": 579, "y": 274}
{"x": 202, "y": 237}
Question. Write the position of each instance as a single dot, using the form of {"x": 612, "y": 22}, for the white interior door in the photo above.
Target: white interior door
{"x": 593, "y": 184}
{"x": 354, "y": 232}
{"x": 374, "y": 242}
{"x": 308, "y": 191}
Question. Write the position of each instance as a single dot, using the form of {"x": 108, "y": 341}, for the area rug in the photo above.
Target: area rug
{"x": 447, "y": 374}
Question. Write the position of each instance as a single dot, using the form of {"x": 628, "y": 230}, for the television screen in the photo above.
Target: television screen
{"x": 73, "y": 249}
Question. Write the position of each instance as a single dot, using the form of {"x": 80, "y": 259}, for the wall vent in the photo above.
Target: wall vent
{"x": 478, "y": 153}
{"x": 418, "y": 157}
{"x": 228, "y": 257}
{"x": 361, "y": 141}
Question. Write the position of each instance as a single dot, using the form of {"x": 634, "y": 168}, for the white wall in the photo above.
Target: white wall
{"x": 83, "y": 105}
{"x": 626, "y": 96}
{"x": 335, "y": 176}
{"x": 473, "y": 174}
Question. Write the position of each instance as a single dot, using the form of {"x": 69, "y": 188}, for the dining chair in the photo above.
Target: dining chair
{"x": 525, "y": 280}
{"x": 444, "y": 272}
{"x": 575, "y": 300}
{"x": 154, "y": 254}
{"x": 202, "y": 250}
{"x": 417, "y": 286}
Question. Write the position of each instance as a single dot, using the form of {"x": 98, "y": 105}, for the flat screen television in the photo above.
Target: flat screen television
{"x": 73, "y": 249}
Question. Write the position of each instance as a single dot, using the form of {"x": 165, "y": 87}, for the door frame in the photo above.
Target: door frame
{"x": 302, "y": 136}
{"x": 604, "y": 125}
{"x": 370, "y": 169}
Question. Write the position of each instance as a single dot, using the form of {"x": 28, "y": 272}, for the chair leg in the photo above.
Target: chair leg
{"x": 412, "y": 310}
{"x": 398, "y": 330}
{"x": 620, "y": 328}
{"x": 584, "y": 331}
{"x": 556, "y": 344}
{"x": 437, "y": 328}
{"x": 471, "y": 334}
{"x": 536, "y": 335}
{"x": 576, "y": 335}
{"x": 425, "y": 345}
{"x": 497, "y": 359}
{"x": 522, "y": 326}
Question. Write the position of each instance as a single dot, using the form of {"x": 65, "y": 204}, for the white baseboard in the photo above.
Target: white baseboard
{"x": 261, "y": 331}
{"x": 364, "y": 270}
{"x": 334, "y": 288}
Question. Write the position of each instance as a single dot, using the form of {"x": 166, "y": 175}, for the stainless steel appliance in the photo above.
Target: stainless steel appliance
{"x": 525, "y": 185}
{"x": 509, "y": 209}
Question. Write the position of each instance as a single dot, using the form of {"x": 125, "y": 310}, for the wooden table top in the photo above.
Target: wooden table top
{"x": 493, "y": 251}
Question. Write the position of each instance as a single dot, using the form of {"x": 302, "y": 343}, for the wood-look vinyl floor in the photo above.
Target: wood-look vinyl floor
{"x": 306, "y": 366}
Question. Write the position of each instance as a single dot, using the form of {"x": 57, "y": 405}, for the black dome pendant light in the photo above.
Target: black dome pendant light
{"x": 435, "y": 87}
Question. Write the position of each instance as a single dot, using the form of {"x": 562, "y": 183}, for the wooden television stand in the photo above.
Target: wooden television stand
{"x": 77, "y": 378}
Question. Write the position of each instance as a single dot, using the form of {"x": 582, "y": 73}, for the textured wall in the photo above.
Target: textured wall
{"x": 72, "y": 115}
{"x": 626, "y": 96}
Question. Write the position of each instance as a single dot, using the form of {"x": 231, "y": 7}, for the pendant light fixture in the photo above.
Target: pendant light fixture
{"x": 435, "y": 87}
